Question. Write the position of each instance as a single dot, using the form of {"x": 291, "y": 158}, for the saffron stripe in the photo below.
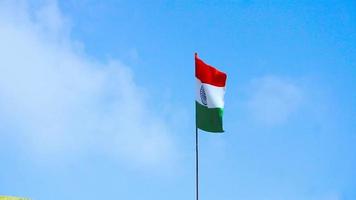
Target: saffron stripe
{"x": 208, "y": 74}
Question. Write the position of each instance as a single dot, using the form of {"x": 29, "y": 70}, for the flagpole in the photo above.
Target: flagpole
{"x": 196, "y": 164}
{"x": 196, "y": 152}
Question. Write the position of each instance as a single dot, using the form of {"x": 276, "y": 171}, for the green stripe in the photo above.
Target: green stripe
{"x": 208, "y": 119}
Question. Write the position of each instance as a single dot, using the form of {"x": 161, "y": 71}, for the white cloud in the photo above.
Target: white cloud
{"x": 273, "y": 100}
{"x": 57, "y": 101}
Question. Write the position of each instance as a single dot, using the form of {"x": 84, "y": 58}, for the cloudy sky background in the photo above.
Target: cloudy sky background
{"x": 97, "y": 99}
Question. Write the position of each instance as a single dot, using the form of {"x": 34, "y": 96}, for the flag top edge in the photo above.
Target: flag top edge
{"x": 209, "y": 74}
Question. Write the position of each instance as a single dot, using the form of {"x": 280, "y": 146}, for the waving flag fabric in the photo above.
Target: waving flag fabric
{"x": 210, "y": 91}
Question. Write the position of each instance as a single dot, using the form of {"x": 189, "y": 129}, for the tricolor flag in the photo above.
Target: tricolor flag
{"x": 209, "y": 102}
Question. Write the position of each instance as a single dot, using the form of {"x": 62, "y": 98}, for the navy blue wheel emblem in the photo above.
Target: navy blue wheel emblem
{"x": 203, "y": 95}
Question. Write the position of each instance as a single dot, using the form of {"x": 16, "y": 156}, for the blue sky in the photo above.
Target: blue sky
{"x": 97, "y": 99}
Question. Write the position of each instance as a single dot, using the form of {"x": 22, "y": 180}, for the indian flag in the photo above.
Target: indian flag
{"x": 209, "y": 101}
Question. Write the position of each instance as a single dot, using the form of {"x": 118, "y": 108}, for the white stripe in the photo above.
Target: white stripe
{"x": 214, "y": 95}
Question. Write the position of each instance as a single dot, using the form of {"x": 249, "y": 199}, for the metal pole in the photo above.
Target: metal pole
{"x": 196, "y": 164}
